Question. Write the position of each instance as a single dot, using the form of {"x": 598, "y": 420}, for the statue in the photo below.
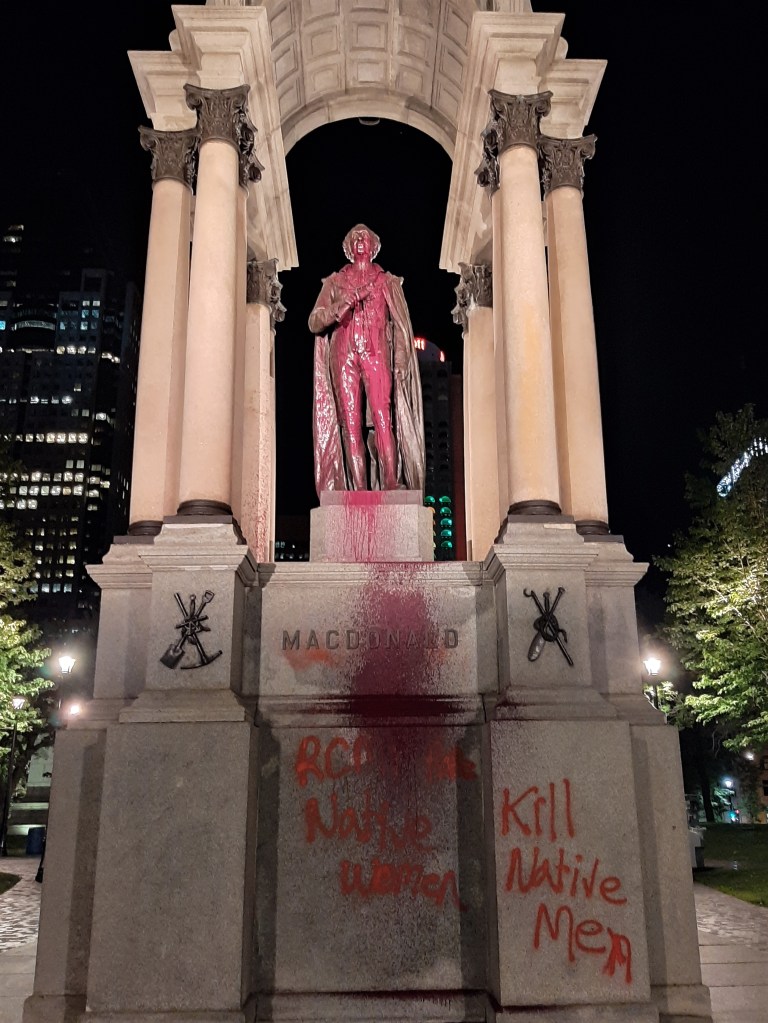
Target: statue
{"x": 364, "y": 348}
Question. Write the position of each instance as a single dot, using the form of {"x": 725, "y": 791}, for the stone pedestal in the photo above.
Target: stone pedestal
{"x": 371, "y": 526}
{"x": 174, "y": 893}
{"x": 384, "y": 800}
{"x": 64, "y": 941}
{"x": 567, "y": 899}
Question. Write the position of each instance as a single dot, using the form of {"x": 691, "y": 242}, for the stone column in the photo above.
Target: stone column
{"x": 157, "y": 437}
{"x": 240, "y": 301}
{"x": 498, "y": 362}
{"x": 510, "y": 165}
{"x": 263, "y": 310}
{"x": 226, "y": 163}
{"x": 474, "y": 311}
{"x": 577, "y": 391}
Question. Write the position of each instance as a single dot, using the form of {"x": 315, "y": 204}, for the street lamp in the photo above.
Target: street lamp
{"x": 17, "y": 702}
{"x": 653, "y": 666}
{"x": 66, "y": 664}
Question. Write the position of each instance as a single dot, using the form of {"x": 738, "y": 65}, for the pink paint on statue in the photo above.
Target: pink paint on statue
{"x": 366, "y": 378}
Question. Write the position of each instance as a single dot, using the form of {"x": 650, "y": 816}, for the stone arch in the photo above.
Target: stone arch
{"x": 335, "y": 59}
{"x": 426, "y": 63}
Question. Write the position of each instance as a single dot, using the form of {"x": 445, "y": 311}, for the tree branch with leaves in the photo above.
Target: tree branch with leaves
{"x": 717, "y": 582}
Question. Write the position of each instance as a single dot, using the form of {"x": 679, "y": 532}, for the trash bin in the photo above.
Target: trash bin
{"x": 35, "y": 841}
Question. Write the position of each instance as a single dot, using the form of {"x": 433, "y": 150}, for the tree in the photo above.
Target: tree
{"x": 21, "y": 655}
{"x": 717, "y": 589}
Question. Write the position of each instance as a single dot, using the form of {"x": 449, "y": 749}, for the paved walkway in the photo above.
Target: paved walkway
{"x": 19, "y": 913}
{"x": 733, "y": 941}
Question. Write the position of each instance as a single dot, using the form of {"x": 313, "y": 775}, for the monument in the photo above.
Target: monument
{"x": 370, "y": 787}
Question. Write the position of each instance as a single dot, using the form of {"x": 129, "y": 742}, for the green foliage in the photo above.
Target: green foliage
{"x": 717, "y": 593}
{"x": 736, "y": 861}
{"x": 21, "y": 655}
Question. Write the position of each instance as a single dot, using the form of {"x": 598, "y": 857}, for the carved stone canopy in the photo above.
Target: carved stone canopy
{"x": 222, "y": 114}
{"x": 562, "y": 161}
{"x": 475, "y": 288}
{"x": 514, "y": 121}
{"x": 264, "y": 287}
{"x": 174, "y": 153}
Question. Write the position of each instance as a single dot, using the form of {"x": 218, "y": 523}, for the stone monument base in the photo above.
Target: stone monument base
{"x": 371, "y": 526}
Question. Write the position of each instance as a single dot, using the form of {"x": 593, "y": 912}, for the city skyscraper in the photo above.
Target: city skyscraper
{"x": 67, "y": 391}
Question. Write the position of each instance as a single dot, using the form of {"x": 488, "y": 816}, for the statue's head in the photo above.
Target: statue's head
{"x": 361, "y": 234}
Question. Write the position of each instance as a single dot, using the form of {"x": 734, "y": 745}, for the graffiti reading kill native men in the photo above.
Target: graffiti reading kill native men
{"x": 191, "y": 625}
{"x": 547, "y": 627}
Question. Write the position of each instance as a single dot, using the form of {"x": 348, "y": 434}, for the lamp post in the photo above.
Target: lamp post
{"x": 18, "y": 702}
{"x": 653, "y": 666}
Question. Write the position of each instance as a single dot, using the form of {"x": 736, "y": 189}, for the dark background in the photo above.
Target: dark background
{"x": 670, "y": 204}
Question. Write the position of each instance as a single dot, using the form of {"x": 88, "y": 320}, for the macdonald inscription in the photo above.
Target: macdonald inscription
{"x": 370, "y": 639}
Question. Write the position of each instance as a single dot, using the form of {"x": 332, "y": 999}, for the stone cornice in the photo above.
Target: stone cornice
{"x": 562, "y": 161}
{"x": 514, "y": 53}
{"x": 440, "y": 574}
{"x": 161, "y": 78}
{"x": 121, "y": 569}
{"x": 219, "y": 48}
{"x": 174, "y": 154}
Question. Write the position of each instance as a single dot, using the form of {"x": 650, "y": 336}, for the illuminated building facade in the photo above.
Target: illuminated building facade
{"x": 67, "y": 394}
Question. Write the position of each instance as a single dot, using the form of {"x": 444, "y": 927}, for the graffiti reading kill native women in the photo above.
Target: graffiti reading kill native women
{"x": 392, "y": 851}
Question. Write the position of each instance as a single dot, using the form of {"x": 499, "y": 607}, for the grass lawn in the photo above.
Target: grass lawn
{"x": 8, "y": 881}
{"x": 736, "y": 861}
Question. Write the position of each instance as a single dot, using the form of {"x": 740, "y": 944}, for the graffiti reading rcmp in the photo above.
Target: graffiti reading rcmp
{"x": 543, "y": 861}
{"x": 385, "y": 851}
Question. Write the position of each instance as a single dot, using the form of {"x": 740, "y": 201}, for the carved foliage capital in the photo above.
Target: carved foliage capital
{"x": 222, "y": 114}
{"x": 514, "y": 121}
{"x": 174, "y": 153}
{"x": 562, "y": 161}
{"x": 264, "y": 287}
{"x": 475, "y": 288}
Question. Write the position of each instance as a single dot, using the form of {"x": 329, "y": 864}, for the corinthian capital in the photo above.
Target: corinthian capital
{"x": 222, "y": 114}
{"x": 263, "y": 286}
{"x": 514, "y": 121}
{"x": 174, "y": 153}
{"x": 562, "y": 161}
{"x": 475, "y": 288}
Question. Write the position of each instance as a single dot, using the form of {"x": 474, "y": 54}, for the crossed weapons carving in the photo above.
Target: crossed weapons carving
{"x": 191, "y": 626}
{"x": 548, "y": 629}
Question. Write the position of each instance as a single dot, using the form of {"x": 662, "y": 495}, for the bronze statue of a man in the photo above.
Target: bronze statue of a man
{"x": 364, "y": 349}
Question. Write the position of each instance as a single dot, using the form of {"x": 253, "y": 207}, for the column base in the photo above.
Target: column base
{"x": 591, "y": 527}
{"x": 200, "y": 506}
{"x": 534, "y": 508}
{"x": 145, "y": 527}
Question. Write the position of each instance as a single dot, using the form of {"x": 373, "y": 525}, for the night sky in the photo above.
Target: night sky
{"x": 669, "y": 204}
